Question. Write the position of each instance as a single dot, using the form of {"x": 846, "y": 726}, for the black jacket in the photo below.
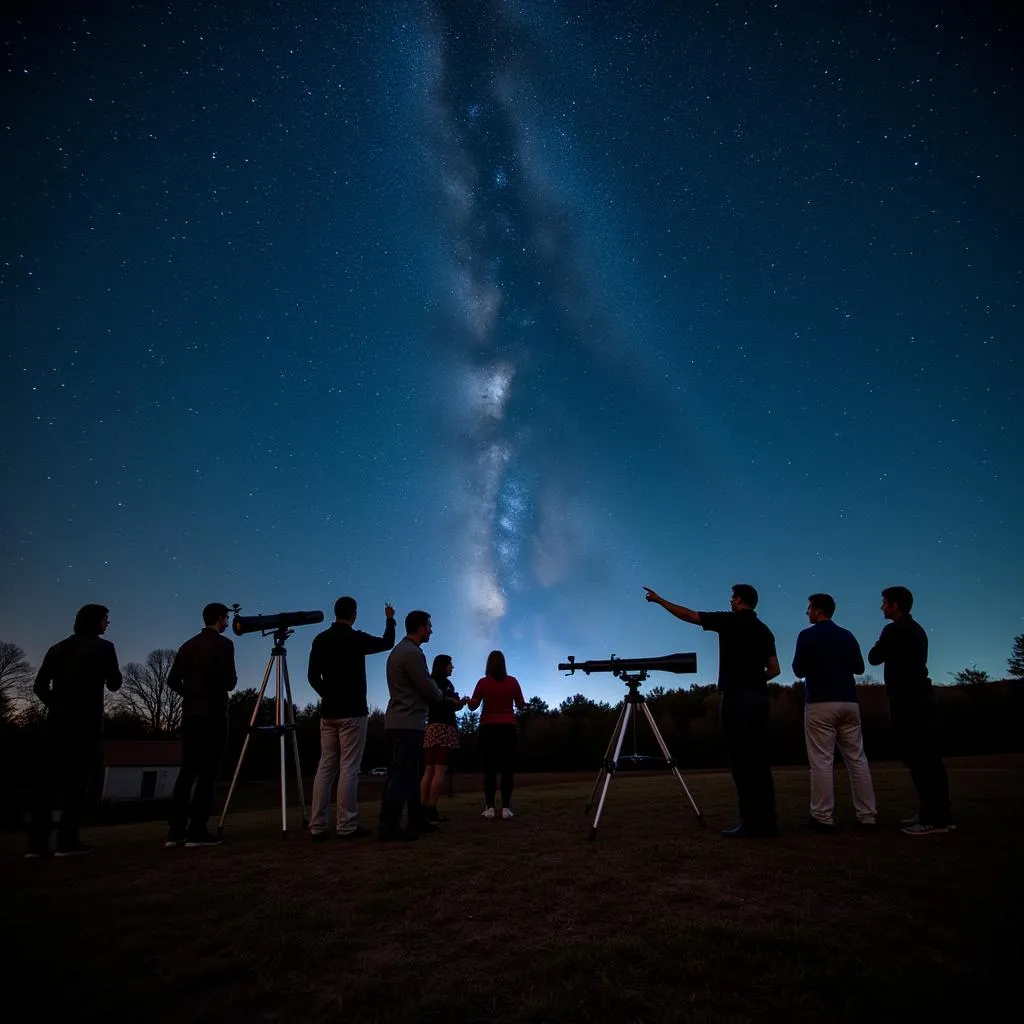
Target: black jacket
{"x": 203, "y": 674}
{"x": 903, "y": 649}
{"x": 337, "y": 667}
{"x": 71, "y": 679}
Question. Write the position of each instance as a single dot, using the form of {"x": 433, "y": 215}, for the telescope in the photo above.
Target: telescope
{"x": 243, "y": 624}
{"x": 678, "y": 663}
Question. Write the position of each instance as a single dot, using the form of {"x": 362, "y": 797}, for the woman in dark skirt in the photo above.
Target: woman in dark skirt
{"x": 441, "y": 737}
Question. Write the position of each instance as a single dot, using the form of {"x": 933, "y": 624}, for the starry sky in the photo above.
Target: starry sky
{"x": 506, "y": 309}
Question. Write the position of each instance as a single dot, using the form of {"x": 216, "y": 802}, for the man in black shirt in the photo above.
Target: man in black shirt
{"x": 746, "y": 661}
{"x": 337, "y": 672}
{"x": 70, "y": 683}
{"x": 203, "y": 674}
{"x": 903, "y": 649}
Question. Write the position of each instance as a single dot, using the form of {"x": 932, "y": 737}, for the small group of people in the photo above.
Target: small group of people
{"x": 71, "y": 682}
{"x": 827, "y": 658}
{"x": 419, "y": 724}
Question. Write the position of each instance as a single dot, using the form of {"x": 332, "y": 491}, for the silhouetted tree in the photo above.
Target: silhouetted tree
{"x": 1015, "y": 662}
{"x": 971, "y": 677}
{"x": 145, "y": 695}
{"x": 16, "y": 676}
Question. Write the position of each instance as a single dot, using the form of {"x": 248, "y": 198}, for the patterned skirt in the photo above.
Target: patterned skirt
{"x": 440, "y": 735}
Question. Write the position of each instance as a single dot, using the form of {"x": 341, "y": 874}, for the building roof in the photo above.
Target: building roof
{"x": 141, "y": 753}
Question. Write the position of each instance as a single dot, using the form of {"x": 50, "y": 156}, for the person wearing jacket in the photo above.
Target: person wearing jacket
{"x": 337, "y": 672}
{"x": 203, "y": 674}
{"x": 411, "y": 690}
{"x": 70, "y": 683}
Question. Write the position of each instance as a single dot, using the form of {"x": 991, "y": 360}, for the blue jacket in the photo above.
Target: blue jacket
{"x": 827, "y": 658}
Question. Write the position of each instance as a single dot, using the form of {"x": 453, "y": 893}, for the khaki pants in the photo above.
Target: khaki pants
{"x": 825, "y": 725}
{"x": 341, "y": 753}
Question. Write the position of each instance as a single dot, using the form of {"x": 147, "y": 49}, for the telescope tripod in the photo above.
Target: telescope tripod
{"x": 284, "y": 723}
{"x": 633, "y": 703}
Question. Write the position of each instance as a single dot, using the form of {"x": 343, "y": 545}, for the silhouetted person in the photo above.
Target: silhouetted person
{"x": 441, "y": 738}
{"x": 746, "y": 661}
{"x": 410, "y": 690}
{"x": 500, "y": 694}
{"x": 203, "y": 674}
{"x": 337, "y": 672}
{"x": 827, "y": 658}
{"x": 903, "y": 649}
{"x": 70, "y": 683}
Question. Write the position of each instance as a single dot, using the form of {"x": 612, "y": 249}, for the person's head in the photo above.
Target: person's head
{"x": 820, "y": 607}
{"x": 215, "y": 616}
{"x": 418, "y": 626}
{"x": 896, "y": 601}
{"x": 441, "y": 668}
{"x": 743, "y": 596}
{"x": 92, "y": 620}
{"x": 496, "y": 665}
{"x": 345, "y": 610}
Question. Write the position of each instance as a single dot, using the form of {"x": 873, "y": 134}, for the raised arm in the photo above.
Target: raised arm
{"x": 686, "y": 614}
{"x": 376, "y": 644}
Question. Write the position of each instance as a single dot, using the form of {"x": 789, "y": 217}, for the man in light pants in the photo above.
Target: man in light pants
{"x": 827, "y": 658}
{"x": 337, "y": 671}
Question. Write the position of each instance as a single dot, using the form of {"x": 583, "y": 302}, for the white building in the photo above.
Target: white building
{"x": 136, "y": 770}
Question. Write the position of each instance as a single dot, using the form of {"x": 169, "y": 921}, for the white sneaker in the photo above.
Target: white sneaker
{"x": 489, "y": 813}
{"x": 506, "y": 812}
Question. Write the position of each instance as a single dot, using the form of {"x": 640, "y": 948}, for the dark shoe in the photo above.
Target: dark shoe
{"x": 359, "y": 832}
{"x": 38, "y": 855}
{"x": 866, "y": 826}
{"x": 920, "y": 829}
{"x": 203, "y": 839}
{"x": 174, "y": 841}
{"x": 320, "y": 837}
{"x": 74, "y": 851}
{"x": 812, "y": 824}
{"x": 396, "y": 835}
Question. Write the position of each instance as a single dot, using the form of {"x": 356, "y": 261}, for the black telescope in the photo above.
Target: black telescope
{"x": 243, "y": 624}
{"x": 678, "y": 663}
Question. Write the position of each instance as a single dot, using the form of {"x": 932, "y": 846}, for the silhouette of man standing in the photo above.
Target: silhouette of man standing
{"x": 70, "y": 683}
{"x": 903, "y": 649}
{"x": 203, "y": 674}
{"x": 337, "y": 672}
{"x": 746, "y": 661}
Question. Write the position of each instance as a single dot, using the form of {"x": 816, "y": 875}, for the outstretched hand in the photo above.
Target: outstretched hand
{"x": 389, "y": 612}
{"x": 652, "y": 596}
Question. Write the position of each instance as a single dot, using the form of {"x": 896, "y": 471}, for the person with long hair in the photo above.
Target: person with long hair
{"x": 498, "y": 692}
{"x": 441, "y": 737}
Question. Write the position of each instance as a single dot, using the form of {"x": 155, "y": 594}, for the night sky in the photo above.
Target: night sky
{"x": 505, "y": 310}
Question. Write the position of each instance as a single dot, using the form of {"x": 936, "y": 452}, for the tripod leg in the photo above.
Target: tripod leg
{"x": 279, "y": 723}
{"x": 245, "y": 747}
{"x": 295, "y": 744}
{"x": 623, "y": 724}
{"x": 670, "y": 760}
{"x": 604, "y": 764}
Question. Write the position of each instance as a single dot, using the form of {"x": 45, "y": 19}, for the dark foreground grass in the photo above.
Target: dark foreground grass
{"x": 524, "y": 920}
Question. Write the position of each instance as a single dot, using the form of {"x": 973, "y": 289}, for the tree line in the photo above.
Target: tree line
{"x": 977, "y": 716}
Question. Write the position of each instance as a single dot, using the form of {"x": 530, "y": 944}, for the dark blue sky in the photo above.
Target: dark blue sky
{"x": 504, "y": 310}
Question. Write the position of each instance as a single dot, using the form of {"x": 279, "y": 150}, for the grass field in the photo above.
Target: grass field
{"x": 524, "y": 920}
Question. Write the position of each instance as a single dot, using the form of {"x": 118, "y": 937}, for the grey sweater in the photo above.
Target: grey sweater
{"x": 410, "y": 688}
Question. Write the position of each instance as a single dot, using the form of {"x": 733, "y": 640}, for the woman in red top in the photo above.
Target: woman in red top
{"x": 499, "y": 692}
